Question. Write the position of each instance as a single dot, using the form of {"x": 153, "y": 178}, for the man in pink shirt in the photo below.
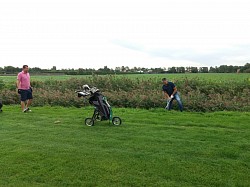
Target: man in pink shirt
{"x": 24, "y": 89}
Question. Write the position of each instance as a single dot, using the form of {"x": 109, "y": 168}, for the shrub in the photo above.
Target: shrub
{"x": 121, "y": 91}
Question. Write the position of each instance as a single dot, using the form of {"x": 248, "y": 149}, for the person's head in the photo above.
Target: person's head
{"x": 25, "y": 68}
{"x": 164, "y": 81}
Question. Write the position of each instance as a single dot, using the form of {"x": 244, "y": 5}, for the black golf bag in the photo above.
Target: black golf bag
{"x": 102, "y": 109}
{"x": 97, "y": 99}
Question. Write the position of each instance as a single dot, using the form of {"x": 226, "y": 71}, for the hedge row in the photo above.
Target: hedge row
{"x": 197, "y": 94}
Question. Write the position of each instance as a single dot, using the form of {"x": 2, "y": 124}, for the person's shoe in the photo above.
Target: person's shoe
{"x": 25, "y": 110}
{"x": 28, "y": 110}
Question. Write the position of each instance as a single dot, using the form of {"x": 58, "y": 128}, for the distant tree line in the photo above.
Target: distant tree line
{"x": 126, "y": 70}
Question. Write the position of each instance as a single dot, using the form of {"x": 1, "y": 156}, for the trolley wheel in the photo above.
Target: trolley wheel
{"x": 116, "y": 121}
{"x": 89, "y": 122}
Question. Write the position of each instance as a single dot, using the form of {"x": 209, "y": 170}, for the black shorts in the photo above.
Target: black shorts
{"x": 25, "y": 94}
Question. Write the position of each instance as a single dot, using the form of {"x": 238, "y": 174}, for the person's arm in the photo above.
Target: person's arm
{"x": 165, "y": 95}
{"x": 17, "y": 83}
{"x": 30, "y": 83}
{"x": 175, "y": 90}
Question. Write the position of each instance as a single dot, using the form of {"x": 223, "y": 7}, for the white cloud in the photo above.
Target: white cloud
{"x": 92, "y": 34}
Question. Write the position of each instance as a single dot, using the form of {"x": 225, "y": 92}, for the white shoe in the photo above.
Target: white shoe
{"x": 26, "y": 110}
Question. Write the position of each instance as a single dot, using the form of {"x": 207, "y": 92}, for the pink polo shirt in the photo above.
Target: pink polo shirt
{"x": 24, "y": 79}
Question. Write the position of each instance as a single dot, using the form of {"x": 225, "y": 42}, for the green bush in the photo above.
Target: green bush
{"x": 1, "y": 84}
{"x": 121, "y": 91}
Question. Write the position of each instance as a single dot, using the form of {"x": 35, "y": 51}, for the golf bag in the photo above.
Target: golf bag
{"x": 100, "y": 103}
{"x": 102, "y": 109}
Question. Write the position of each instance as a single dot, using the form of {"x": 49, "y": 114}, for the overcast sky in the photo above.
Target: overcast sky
{"x": 145, "y": 33}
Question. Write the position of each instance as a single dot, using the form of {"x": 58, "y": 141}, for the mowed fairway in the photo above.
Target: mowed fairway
{"x": 51, "y": 147}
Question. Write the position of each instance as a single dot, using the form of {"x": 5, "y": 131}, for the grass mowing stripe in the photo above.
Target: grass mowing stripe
{"x": 152, "y": 148}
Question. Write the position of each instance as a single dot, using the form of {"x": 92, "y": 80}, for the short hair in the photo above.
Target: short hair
{"x": 25, "y": 66}
{"x": 164, "y": 79}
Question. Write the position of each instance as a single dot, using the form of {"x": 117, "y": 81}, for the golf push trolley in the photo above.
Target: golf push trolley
{"x": 102, "y": 109}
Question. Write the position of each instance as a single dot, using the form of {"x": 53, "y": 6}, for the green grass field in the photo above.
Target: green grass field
{"x": 51, "y": 147}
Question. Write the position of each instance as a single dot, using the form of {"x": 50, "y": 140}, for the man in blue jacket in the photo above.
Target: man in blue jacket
{"x": 170, "y": 93}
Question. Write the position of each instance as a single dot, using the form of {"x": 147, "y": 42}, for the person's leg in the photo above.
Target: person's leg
{"x": 1, "y": 105}
{"x": 29, "y": 97}
{"x": 169, "y": 104}
{"x": 23, "y": 94}
{"x": 23, "y": 105}
{"x": 29, "y": 103}
{"x": 178, "y": 99}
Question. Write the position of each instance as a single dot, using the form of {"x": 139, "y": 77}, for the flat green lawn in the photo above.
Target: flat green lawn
{"x": 52, "y": 147}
